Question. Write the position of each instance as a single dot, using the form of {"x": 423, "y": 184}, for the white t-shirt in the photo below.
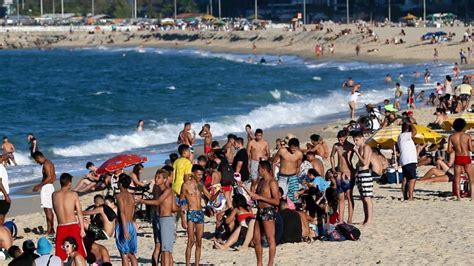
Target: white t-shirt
{"x": 43, "y": 260}
{"x": 407, "y": 149}
{"x": 354, "y": 96}
{"x": 4, "y": 177}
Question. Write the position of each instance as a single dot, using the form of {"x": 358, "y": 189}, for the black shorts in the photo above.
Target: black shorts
{"x": 4, "y": 207}
{"x": 409, "y": 171}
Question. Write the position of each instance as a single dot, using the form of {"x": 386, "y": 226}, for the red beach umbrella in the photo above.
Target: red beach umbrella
{"x": 119, "y": 162}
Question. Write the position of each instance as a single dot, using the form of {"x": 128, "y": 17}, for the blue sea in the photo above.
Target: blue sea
{"x": 83, "y": 104}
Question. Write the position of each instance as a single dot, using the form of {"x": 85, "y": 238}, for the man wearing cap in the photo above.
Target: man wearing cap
{"x": 46, "y": 258}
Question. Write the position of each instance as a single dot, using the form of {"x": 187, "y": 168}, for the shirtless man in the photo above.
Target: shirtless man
{"x": 250, "y": 135}
{"x": 125, "y": 229}
{"x": 460, "y": 144}
{"x": 106, "y": 211}
{"x": 229, "y": 148}
{"x": 192, "y": 191}
{"x": 320, "y": 147}
{"x": 67, "y": 208}
{"x": 164, "y": 211}
{"x": 33, "y": 143}
{"x": 8, "y": 149}
{"x": 364, "y": 179}
{"x": 315, "y": 163}
{"x": 186, "y": 136}
{"x": 290, "y": 160}
{"x": 257, "y": 149}
{"x": 343, "y": 151}
{"x": 207, "y": 136}
{"x": 268, "y": 197}
{"x": 47, "y": 189}
{"x": 349, "y": 83}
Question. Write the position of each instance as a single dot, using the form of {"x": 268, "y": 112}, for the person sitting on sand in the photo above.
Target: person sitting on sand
{"x": 74, "y": 257}
{"x": 243, "y": 233}
{"x": 292, "y": 226}
{"x": 440, "y": 173}
{"x": 441, "y": 117}
{"x": 92, "y": 181}
{"x": 104, "y": 215}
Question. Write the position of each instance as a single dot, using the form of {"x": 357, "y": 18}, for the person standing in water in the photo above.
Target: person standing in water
{"x": 140, "y": 126}
{"x": 353, "y": 100}
{"x": 7, "y": 150}
{"x": 33, "y": 143}
{"x": 47, "y": 189}
{"x": 187, "y": 137}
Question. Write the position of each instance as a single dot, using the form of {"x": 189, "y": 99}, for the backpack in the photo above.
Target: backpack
{"x": 227, "y": 174}
{"x": 349, "y": 232}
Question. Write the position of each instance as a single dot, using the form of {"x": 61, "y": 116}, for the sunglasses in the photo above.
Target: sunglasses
{"x": 66, "y": 246}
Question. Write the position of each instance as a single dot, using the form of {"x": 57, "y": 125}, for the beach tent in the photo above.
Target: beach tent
{"x": 410, "y": 17}
{"x": 469, "y": 117}
{"x": 167, "y": 21}
{"x": 208, "y": 17}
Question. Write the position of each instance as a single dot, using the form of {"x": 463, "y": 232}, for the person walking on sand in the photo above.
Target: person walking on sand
{"x": 47, "y": 189}
{"x": 460, "y": 144}
{"x": 7, "y": 150}
{"x": 408, "y": 158}
{"x": 125, "y": 229}
{"x": 267, "y": 196}
{"x": 357, "y": 49}
{"x": 165, "y": 227}
{"x": 258, "y": 150}
{"x": 364, "y": 178}
{"x": 290, "y": 160}
{"x": 254, "y": 48}
{"x": 67, "y": 208}
{"x": 353, "y": 100}
{"x": 343, "y": 151}
{"x": 191, "y": 191}
{"x": 207, "y": 136}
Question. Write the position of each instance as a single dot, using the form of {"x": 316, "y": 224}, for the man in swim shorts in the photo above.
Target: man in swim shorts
{"x": 192, "y": 193}
{"x": 461, "y": 144}
{"x": 125, "y": 229}
{"x": 8, "y": 149}
{"x": 47, "y": 189}
{"x": 364, "y": 179}
{"x": 164, "y": 229}
{"x": 257, "y": 150}
{"x": 290, "y": 160}
{"x": 67, "y": 208}
{"x": 267, "y": 197}
{"x": 343, "y": 151}
{"x": 207, "y": 136}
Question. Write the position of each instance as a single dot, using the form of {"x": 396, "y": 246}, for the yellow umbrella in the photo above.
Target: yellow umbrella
{"x": 409, "y": 17}
{"x": 386, "y": 137}
{"x": 208, "y": 17}
{"x": 468, "y": 116}
{"x": 425, "y": 135}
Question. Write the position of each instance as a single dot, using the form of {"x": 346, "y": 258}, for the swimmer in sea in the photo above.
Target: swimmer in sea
{"x": 349, "y": 83}
{"x": 140, "y": 126}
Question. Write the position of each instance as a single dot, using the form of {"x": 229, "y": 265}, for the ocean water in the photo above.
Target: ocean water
{"x": 83, "y": 104}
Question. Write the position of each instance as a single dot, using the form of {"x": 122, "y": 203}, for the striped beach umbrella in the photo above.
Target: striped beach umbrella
{"x": 468, "y": 116}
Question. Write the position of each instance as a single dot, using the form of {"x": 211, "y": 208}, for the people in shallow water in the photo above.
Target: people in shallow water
{"x": 263, "y": 61}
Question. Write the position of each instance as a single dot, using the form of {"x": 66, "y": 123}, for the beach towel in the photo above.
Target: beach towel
{"x": 69, "y": 230}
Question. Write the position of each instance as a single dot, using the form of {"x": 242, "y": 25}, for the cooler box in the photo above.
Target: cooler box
{"x": 392, "y": 176}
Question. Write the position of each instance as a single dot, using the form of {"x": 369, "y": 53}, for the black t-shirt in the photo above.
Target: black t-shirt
{"x": 243, "y": 157}
{"x": 24, "y": 259}
{"x": 291, "y": 226}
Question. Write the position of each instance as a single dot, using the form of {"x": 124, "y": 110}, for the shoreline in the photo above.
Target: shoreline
{"x": 271, "y": 41}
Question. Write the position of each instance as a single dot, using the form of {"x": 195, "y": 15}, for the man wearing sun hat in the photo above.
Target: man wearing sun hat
{"x": 44, "y": 250}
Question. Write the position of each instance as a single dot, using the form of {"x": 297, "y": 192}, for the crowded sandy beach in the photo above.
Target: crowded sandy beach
{"x": 387, "y": 182}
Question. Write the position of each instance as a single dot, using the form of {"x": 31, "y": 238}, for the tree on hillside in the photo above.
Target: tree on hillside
{"x": 120, "y": 9}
